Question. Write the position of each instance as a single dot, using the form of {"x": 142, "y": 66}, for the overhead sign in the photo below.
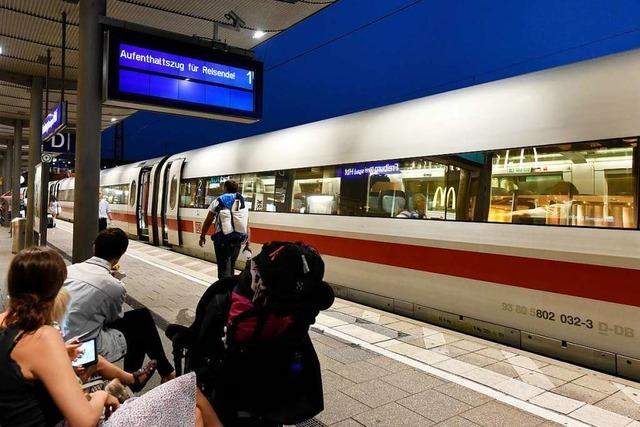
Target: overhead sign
{"x": 55, "y": 121}
{"x": 63, "y": 142}
{"x": 154, "y": 73}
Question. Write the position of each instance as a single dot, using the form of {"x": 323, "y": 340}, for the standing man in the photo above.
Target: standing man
{"x": 231, "y": 228}
{"x": 104, "y": 213}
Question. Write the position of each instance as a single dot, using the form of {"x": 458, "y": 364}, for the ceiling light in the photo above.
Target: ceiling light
{"x": 187, "y": 79}
{"x": 0, "y": 50}
{"x": 113, "y": 119}
{"x": 258, "y": 34}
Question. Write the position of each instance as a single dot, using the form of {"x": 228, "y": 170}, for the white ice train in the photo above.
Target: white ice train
{"x": 528, "y": 187}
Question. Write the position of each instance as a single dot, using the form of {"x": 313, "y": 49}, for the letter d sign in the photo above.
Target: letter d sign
{"x": 58, "y": 141}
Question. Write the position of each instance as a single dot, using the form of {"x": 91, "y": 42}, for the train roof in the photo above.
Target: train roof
{"x": 594, "y": 99}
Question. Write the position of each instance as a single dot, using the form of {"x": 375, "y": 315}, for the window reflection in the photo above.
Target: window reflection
{"x": 589, "y": 184}
{"x": 115, "y": 194}
{"x": 316, "y": 190}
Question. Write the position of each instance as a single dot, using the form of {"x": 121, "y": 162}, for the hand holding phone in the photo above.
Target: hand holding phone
{"x": 88, "y": 354}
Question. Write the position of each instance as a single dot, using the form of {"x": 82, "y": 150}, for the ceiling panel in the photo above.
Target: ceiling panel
{"x": 28, "y": 28}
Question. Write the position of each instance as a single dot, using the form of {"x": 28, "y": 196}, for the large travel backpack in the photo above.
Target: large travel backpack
{"x": 232, "y": 219}
{"x": 266, "y": 366}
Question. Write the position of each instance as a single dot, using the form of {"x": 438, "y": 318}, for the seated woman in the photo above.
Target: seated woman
{"x": 38, "y": 386}
{"x": 105, "y": 369}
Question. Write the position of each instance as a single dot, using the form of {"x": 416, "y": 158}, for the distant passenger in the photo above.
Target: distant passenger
{"x": 54, "y": 210}
{"x": 419, "y": 208}
{"x": 97, "y": 311}
{"x": 231, "y": 228}
{"x": 104, "y": 213}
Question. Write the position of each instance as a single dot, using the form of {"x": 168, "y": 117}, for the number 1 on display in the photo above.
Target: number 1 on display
{"x": 250, "y": 75}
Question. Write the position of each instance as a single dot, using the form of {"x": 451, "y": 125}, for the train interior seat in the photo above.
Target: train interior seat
{"x": 321, "y": 204}
{"x": 393, "y": 202}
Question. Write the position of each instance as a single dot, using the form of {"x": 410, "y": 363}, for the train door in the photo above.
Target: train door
{"x": 170, "y": 202}
{"x": 152, "y": 203}
{"x": 142, "y": 203}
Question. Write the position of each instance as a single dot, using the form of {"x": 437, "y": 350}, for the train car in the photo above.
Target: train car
{"x": 507, "y": 210}
{"x": 129, "y": 190}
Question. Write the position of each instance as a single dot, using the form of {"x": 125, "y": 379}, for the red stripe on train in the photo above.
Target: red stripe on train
{"x": 568, "y": 278}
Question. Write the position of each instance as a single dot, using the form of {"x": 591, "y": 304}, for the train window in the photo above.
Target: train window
{"x": 132, "y": 193}
{"x": 189, "y": 193}
{"x": 173, "y": 192}
{"x": 316, "y": 190}
{"x": 258, "y": 190}
{"x": 584, "y": 184}
{"x": 116, "y": 194}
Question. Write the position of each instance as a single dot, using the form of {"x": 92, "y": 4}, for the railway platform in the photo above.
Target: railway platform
{"x": 381, "y": 369}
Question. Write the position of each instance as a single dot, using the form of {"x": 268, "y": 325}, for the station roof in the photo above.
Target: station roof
{"x": 29, "y": 27}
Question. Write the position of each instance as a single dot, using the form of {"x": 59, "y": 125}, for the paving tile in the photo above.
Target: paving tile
{"x": 412, "y": 381}
{"x": 377, "y": 318}
{"x": 541, "y": 380}
{"x": 360, "y": 372}
{"x": 476, "y": 359}
{"x": 506, "y": 369}
{"x": 519, "y": 389}
{"x": 383, "y": 330}
{"x": 456, "y": 421}
{"x": 556, "y": 402}
{"x": 434, "y": 405}
{"x": 404, "y": 326}
{"x": 621, "y": 404}
{"x": 329, "y": 321}
{"x": 430, "y": 341}
{"x": 463, "y": 394}
{"x": 357, "y": 331}
{"x": 469, "y": 345}
{"x": 630, "y": 393}
{"x": 349, "y": 354}
{"x": 375, "y": 393}
{"x": 338, "y": 406}
{"x": 496, "y": 414}
{"x": 580, "y": 393}
{"x": 449, "y": 350}
{"x": 455, "y": 366}
{"x": 392, "y": 414}
{"x": 330, "y": 341}
{"x": 598, "y": 384}
{"x": 485, "y": 376}
{"x": 527, "y": 362}
{"x": 349, "y": 422}
{"x": 332, "y": 381}
{"x": 428, "y": 357}
{"x": 564, "y": 374}
{"x": 327, "y": 362}
{"x": 600, "y": 417}
{"x": 388, "y": 364}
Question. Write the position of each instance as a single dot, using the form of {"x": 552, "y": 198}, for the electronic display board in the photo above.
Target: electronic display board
{"x": 152, "y": 73}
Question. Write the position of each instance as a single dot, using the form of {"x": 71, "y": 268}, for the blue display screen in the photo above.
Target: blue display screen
{"x": 163, "y": 75}
{"x": 174, "y": 75}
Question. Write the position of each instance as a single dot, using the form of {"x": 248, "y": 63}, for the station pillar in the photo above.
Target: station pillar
{"x": 8, "y": 166}
{"x": 35, "y": 154}
{"x": 89, "y": 112}
{"x": 15, "y": 169}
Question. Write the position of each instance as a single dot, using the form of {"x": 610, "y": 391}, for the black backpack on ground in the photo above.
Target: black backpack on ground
{"x": 258, "y": 380}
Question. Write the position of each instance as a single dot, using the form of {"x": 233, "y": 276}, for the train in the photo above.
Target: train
{"x": 507, "y": 210}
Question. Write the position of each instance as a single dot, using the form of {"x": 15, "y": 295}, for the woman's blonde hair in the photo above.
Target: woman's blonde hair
{"x": 60, "y": 305}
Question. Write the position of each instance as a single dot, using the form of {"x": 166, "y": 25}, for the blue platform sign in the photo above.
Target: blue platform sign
{"x": 63, "y": 142}
{"x": 157, "y": 74}
{"x": 55, "y": 121}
